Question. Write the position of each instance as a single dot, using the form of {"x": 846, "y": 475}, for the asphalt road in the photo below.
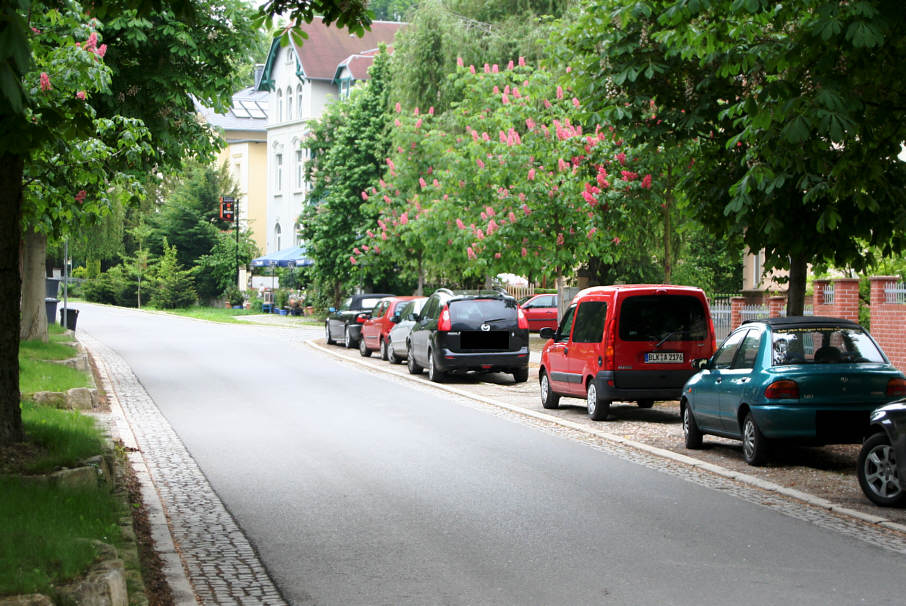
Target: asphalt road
{"x": 356, "y": 488}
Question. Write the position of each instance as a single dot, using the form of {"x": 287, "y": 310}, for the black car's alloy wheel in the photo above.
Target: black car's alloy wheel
{"x": 347, "y": 338}
{"x": 879, "y": 477}
{"x": 327, "y": 336}
{"x": 520, "y": 375}
{"x": 433, "y": 373}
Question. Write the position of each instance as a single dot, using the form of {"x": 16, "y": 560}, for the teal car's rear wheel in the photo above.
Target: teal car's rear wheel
{"x": 755, "y": 447}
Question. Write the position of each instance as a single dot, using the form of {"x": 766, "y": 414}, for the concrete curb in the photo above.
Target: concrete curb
{"x": 659, "y": 452}
{"x": 183, "y": 594}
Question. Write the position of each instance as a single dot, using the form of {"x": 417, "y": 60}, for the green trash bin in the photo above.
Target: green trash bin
{"x": 68, "y": 317}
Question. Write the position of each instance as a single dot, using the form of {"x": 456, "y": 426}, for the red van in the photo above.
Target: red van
{"x": 628, "y": 343}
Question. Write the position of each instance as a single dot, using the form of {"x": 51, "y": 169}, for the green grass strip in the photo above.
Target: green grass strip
{"x": 35, "y": 375}
{"x": 64, "y": 437}
{"x": 41, "y": 544}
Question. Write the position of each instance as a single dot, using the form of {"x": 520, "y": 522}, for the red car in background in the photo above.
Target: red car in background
{"x": 541, "y": 312}
{"x": 375, "y": 330}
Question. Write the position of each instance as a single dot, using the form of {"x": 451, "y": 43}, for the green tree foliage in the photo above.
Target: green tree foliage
{"x": 478, "y": 32}
{"x": 505, "y": 181}
{"x": 390, "y": 10}
{"x": 793, "y": 111}
{"x": 349, "y": 146}
{"x": 216, "y": 271}
{"x": 189, "y": 213}
{"x": 174, "y": 287}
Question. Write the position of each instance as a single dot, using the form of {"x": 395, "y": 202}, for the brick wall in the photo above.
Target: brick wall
{"x": 888, "y": 321}
{"x": 843, "y": 303}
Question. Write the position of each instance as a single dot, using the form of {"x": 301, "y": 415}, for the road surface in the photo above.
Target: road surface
{"x": 357, "y": 488}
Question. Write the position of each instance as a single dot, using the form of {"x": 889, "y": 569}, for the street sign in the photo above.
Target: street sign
{"x": 227, "y": 208}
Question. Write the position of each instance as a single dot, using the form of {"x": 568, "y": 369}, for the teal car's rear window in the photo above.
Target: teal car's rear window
{"x": 823, "y": 345}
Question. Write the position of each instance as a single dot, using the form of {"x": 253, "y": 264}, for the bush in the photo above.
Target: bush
{"x": 234, "y": 296}
{"x": 174, "y": 287}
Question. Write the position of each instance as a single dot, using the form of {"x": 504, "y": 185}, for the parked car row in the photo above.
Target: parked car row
{"x": 805, "y": 380}
{"x": 446, "y": 333}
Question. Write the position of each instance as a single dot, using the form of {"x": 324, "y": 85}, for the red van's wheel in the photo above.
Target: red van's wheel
{"x": 597, "y": 409}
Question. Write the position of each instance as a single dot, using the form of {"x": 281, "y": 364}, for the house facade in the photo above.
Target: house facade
{"x": 244, "y": 128}
{"x": 299, "y": 82}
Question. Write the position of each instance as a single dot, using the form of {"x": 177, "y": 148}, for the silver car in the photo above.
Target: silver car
{"x": 397, "y": 351}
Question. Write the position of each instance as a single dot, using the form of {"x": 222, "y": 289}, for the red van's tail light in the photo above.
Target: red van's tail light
{"x": 782, "y": 390}
{"x": 523, "y": 321}
{"x": 896, "y": 387}
{"x": 608, "y": 356}
{"x": 443, "y": 323}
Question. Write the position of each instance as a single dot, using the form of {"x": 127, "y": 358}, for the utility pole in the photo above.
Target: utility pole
{"x": 228, "y": 213}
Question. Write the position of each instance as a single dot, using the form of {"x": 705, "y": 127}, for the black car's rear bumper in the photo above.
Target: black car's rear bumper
{"x": 454, "y": 361}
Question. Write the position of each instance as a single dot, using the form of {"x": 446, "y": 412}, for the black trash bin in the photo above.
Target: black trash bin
{"x": 50, "y": 306}
{"x": 68, "y": 317}
{"x": 51, "y": 289}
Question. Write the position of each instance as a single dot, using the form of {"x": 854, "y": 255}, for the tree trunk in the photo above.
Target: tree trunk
{"x": 11, "y": 168}
{"x": 419, "y": 292}
{"x": 668, "y": 252}
{"x": 33, "y": 324}
{"x": 795, "y": 303}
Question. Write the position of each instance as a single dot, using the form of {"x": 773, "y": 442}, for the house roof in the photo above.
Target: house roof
{"x": 247, "y": 113}
{"x": 326, "y": 48}
{"x": 358, "y": 65}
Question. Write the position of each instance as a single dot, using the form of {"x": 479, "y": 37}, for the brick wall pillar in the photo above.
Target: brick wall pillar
{"x": 775, "y": 306}
{"x": 819, "y": 306}
{"x": 888, "y": 320}
{"x": 736, "y": 304}
{"x": 846, "y": 298}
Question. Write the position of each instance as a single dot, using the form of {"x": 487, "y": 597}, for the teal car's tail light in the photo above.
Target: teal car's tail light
{"x": 784, "y": 389}
{"x": 896, "y": 388}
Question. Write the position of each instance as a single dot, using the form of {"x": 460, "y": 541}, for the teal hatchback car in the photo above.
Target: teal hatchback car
{"x": 807, "y": 379}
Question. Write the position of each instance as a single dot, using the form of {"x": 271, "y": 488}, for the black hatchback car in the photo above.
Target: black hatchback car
{"x": 882, "y": 460}
{"x": 345, "y": 324}
{"x": 460, "y": 332}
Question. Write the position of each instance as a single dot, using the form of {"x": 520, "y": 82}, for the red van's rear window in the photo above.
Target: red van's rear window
{"x": 663, "y": 318}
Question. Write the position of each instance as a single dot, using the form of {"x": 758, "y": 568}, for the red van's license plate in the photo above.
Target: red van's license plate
{"x": 663, "y": 357}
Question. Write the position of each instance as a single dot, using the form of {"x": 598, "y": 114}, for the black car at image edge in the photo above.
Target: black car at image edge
{"x": 459, "y": 332}
{"x": 345, "y": 324}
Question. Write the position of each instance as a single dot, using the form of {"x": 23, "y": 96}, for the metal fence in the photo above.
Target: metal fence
{"x": 828, "y": 294}
{"x": 896, "y": 294}
{"x": 720, "y": 315}
{"x": 753, "y": 312}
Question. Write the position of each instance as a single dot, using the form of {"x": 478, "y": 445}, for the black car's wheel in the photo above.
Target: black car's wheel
{"x": 434, "y": 374}
{"x": 384, "y": 354}
{"x": 597, "y": 408}
{"x": 755, "y": 447}
{"x": 645, "y": 403}
{"x": 412, "y": 365}
{"x": 549, "y": 399}
{"x": 363, "y": 349}
{"x": 327, "y": 336}
{"x": 347, "y": 338}
{"x": 691, "y": 432}
{"x": 878, "y": 474}
{"x": 520, "y": 375}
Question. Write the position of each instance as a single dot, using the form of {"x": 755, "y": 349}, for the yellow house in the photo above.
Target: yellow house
{"x": 244, "y": 128}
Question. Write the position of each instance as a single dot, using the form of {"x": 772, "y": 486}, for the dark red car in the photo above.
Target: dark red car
{"x": 375, "y": 330}
{"x": 541, "y": 312}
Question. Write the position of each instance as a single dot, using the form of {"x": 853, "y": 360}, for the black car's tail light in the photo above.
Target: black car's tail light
{"x": 784, "y": 389}
{"x": 896, "y": 387}
{"x": 444, "y": 323}
{"x": 522, "y": 320}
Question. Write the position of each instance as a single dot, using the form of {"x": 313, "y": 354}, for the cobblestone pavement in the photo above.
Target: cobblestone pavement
{"x": 221, "y": 565}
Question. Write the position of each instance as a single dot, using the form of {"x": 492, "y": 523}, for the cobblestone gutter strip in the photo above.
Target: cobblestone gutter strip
{"x": 208, "y": 559}
{"x": 792, "y": 502}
